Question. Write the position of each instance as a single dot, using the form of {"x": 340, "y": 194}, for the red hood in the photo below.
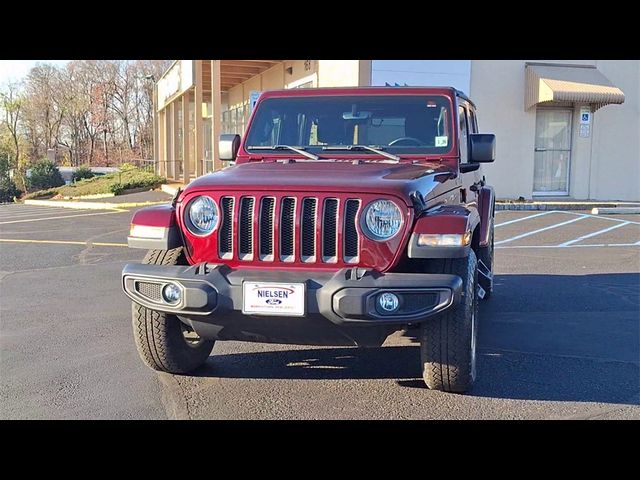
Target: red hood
{"x": 399, "y": 179}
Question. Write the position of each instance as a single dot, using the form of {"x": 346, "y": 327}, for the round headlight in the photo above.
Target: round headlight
{"x": 382, "y": 220}
{"x": 202, "y": 216}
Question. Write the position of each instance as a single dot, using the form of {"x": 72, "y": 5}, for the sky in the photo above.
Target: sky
{"x": 455, "y": 73}
{"x": 12, "y": 70}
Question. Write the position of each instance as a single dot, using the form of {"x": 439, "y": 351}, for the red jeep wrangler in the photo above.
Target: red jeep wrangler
{"x": 350, "y": 214}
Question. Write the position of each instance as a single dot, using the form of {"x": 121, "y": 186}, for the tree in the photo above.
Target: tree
{"x": 100, "y": 111}
{"x": 12, "y": 108}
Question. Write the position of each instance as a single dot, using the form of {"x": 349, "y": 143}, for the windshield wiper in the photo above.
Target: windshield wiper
{"x": 285, "y": 147}
{"x": 377, "y": 150}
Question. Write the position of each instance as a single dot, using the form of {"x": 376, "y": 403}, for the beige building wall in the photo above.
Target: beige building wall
{"x": 288, "y": 74}
{"x": 344, "y": 73}
{"x": 616, "y": 136}
{"x": 603, "y": 166}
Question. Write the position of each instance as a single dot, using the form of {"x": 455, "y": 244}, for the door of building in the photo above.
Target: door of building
{"x": 552, "y": 160}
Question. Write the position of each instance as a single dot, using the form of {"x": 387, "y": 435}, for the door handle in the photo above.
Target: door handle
{"x": 540, "y": 149}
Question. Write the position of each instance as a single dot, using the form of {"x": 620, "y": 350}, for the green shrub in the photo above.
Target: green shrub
{"x": 115, "y": 183}
{"x": 127, "y": 166}
{"x": 8, "y": 190}
{"x": 45, "y": 174}
{"x": 81, "y": 173}
{"x": 117, "y": 188}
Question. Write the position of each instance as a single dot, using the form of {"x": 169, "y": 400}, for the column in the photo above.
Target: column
{"x": 216, "y": 117}
{"x": 199, "y": 131}
{"x": 186, "y": 126}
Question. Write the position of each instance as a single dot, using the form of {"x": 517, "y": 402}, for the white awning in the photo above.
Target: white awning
{"x": 548, "y": 84}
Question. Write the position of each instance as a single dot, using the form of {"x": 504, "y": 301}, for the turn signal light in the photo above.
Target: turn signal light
{"x": 144, "y": 231}
{"x": 444, "y": 240}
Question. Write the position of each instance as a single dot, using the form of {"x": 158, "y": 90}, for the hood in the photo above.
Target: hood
{"x": 401, "y": 179}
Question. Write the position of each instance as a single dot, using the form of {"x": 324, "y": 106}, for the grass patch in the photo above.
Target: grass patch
{"x": 41, "y": 194}
{"x": 111, "y": 183}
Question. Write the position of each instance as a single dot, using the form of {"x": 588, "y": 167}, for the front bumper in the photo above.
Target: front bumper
{"x": 345, "y": 298}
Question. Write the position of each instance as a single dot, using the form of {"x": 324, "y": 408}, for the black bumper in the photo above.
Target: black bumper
{"x": 345, "y": 298}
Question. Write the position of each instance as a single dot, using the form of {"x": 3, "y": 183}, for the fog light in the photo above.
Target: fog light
{"x": 171, "y": 293}
{"x": 388, "y": 302}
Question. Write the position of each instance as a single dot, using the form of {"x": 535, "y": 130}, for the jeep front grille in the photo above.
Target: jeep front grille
{"x": 289, "y": 229}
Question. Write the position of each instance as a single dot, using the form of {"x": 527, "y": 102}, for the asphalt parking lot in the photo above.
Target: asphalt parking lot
{"x": 559, "y": 338}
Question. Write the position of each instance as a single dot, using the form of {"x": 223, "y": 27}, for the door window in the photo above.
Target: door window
{"x": 462, "y": 120}
{"x": 552, "y": 152}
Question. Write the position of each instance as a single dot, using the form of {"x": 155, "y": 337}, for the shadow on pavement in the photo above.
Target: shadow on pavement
{"x": 542, "y": 337}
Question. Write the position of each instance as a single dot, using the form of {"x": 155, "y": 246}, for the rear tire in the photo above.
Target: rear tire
{"x": 164, "y": 343}
{"x": 448, "y": 341}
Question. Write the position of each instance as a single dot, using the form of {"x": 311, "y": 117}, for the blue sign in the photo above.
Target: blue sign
{"x": 253, "y": 98}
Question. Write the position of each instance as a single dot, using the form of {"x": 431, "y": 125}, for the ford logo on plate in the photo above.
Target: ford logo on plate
{"x": 273, "y": 301}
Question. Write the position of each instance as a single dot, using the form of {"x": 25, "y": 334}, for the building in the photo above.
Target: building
{"x": 568, "y": 129}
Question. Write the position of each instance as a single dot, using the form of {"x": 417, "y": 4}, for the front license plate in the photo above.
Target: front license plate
{"x": 266, "y": 298}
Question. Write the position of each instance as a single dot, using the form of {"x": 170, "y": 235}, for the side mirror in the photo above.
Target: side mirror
{"x": 228, "y": 146}
{"x": 483, "y": 148}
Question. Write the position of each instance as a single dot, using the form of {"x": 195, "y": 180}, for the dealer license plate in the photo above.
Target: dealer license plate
{"x": 266, "y": 298}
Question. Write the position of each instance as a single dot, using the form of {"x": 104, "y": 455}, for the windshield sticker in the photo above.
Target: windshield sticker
{"x": 442, "y": 141}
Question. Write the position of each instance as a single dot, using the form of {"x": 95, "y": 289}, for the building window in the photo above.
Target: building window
{"x": 234, "y": 120}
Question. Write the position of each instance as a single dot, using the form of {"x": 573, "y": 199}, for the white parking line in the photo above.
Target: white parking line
{"x": 63, "y": 216}
{"x": 584, "y": 237}
{"x": 599, "y": 216}
{"x": 574, "y": 246}
{"x": 527, "y": 234}
{"x": 27, "y": 214}
{"x": 524, "y": 218}
{"x": 24, "y": 209}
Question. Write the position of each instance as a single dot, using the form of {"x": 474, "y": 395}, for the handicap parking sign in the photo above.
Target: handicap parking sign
{"x": 585, "y": 116}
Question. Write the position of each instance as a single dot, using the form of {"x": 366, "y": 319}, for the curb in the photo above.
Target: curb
{"x": 90, "y": 205}
{"x": 618, "y": 210}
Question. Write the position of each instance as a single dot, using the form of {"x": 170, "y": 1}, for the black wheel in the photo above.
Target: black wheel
{"x": 165, "y": 343}
{"x": 485, "y": 255}
{"x": 448, "y": 341}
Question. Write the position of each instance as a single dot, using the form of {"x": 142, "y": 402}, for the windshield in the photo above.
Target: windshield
{"x": 394, "y": 123}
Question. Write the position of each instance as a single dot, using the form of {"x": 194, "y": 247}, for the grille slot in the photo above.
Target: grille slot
{"x": 267, "y": 210}
{"x": 308, "y": 230}
{"x": 329, "y": 230}
{"x": 245, "y": 227}
{"x": 153, "y": 291}
{"x": 225, "y": 239}
{"x": 351, "y": 239}
{"x": 287, "y": 227}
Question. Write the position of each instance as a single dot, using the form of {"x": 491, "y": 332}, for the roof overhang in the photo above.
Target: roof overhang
{"x": 234, "y": 72}
{"x": 547, "y": 84}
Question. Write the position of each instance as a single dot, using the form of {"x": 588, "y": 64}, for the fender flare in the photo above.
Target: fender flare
{"x": 486, "y": 207}
{"x": 452, "y": 219}
{"x": 162, "y": 222}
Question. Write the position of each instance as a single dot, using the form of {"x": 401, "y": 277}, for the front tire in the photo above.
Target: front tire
{"x": 164, "y": 343}
{"x": 448, "y": 341}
